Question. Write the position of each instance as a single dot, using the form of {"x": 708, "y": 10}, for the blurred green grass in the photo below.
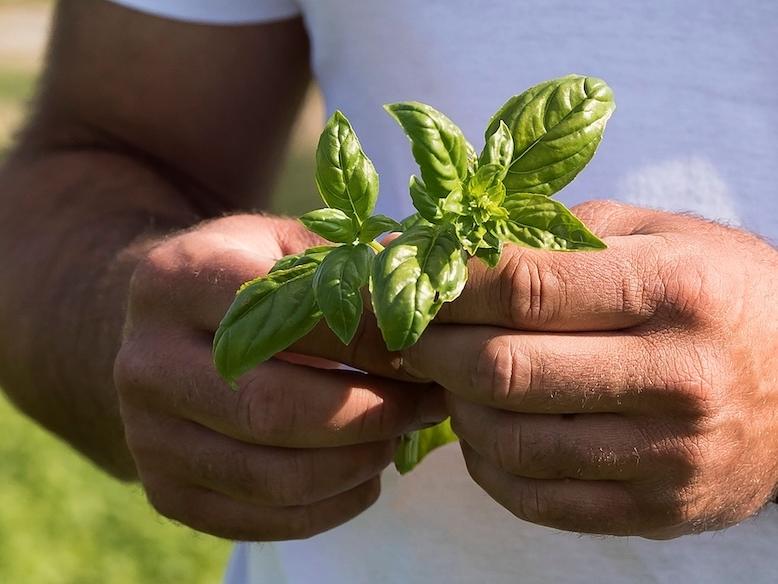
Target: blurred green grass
{"x": 65, "y": 522}
{"x": 15, "y": 85}
{"x": 62, "y": 521}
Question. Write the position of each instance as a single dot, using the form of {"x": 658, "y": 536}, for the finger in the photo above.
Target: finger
{"x": 603, "y": 507}
{"x": 277, "y": 403}
{"x": 608, "y": 218}
{"x": 263, "y": 475}
{"x": 195, "y": 284}
{"x": 542, "y": 373}
{"x": 532, "y": 289}
{"x": 547, "y": 446}
{"x": 222, "y": 516}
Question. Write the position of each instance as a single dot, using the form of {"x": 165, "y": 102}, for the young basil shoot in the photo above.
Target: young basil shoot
{"x": 467, "y": 205}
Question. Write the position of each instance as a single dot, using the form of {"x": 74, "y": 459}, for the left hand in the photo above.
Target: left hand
{"x": 644, "y": 401}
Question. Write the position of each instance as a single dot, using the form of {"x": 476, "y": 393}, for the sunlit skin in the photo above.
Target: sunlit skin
{"x": 630, "y": 391}
{"x": 296, "y": 449}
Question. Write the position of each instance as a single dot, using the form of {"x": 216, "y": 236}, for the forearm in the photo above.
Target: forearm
{"x": 73, "y": 224}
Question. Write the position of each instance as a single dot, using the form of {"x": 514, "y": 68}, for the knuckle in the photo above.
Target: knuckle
{"x": 690, "y": 289}
{"x": 141, "y": 370}
{"x": 133, "y": 370}
{"x": 508, "y": 447}
{"x": 530, "y": 293}
{"x": 532, "y": 505}
{"x": 636, "y": 296}
{"x": 521, "y": 454}
{"x": 268, "y": 415}
{"x": 127, "y": 367}
{"x": 505, "y": 373}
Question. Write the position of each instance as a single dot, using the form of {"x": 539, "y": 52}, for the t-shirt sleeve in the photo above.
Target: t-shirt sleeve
{"x": 216, "y": 11}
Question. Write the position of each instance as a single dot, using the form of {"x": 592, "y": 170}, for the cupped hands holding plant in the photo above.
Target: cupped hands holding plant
{"x": 630, "y": 391}
{"x": 468, "y": 206}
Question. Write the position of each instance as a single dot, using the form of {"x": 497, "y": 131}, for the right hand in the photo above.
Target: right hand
{"x": 297, "y": 450}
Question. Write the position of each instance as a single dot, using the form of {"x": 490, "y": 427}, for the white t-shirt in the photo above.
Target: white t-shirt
{"x": 696, "y": 129}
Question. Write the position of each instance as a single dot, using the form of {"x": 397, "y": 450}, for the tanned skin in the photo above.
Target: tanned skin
{"x": 141, "y": 126}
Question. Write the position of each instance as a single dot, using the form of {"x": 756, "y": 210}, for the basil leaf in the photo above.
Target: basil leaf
{"x": 487, "y": 176}
{"x": 472, "y": 158}
{"x": 312, "y": 255}
{"x": 453, "y": 203}
{"x": 414, "y": 446}
{"x": 266, "y": 317}
{"x": 496, "y": 194}
{"x": 345, "y": 177}
{"x": 412, "y": 220}
{"x": 489, "y": 255}
{"x": 470, "y": 233}
{"x": 375, "y": 226}
{"x": 556, "y": 128}
{"x": 491, "y": 247}
{"x": 416, "y": 273}
{"x": 336, "y": 285}
{"x": 331, "y": 224}
{"x": 537, "y": 221}
{"x": 438, "y": 145}
{"x": 427, "y": 205}
{"x": 498, "y": 149}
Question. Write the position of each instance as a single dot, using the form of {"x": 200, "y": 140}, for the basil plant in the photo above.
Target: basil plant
{"x": 468, "y": 205}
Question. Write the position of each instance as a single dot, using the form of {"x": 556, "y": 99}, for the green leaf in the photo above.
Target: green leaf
{"x": 427, "y": 205}
{"x": 537, "y": 221}
{"x": 489, "y": 255}
{"x": 498, "y": 149}
{"x": 414, "y": 446}
{"x": 345, "y": 177}
{"x": 438, "y": 145}
{"x": 470, "y": 234}
{"x": 331, "y": 224}
{"x": 312, "y": 255}
{"x": 453, "y": 203}
{"x": 496, "y": 193}
{"x": 491, "y": 246}
{"x": 556, "y": 128}
{"x": 337, "y": 284}
{"x": 472, "y": 158}
{"x": 375, "y": 226}
{"x": 412, "y": 220}
{"x": 486, "y": 177}
{"x": 267, "y": 316}
{"x": 416, "y": 273}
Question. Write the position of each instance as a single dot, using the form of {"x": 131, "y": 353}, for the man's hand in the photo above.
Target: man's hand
{"x": 644, "y": 401}
{"x": 297, "y": 449}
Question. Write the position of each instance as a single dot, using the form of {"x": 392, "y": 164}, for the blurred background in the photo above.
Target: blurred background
{"x": 61, "y": 519}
